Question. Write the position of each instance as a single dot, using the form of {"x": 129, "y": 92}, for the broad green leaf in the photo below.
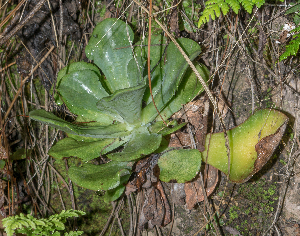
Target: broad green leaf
{"x": 109, "y": 48}
{"x": 141, "y": 143}
{"x": 160, "y": 128}
{"x": 110, "y": 131}
{"x": 86, "y": 151}
{"x": 127, "y": 103}
{"x": 180, "y": 165}
{"x": 158, "y": 45}
{"x": 174, "y": 67}
{"x": 73, "y": 67}
{"x": 189, "y": 88}
{"x": 164, "y": 145}
{"x": 135, "y": 69}
{"x": 99, "y": 177}
{"x": 114, "y": 194}
{"x": 81, "y": 90}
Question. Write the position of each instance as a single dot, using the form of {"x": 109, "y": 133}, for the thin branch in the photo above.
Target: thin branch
{"x": 21, "y": 25}
{"x": 24, "y": 80}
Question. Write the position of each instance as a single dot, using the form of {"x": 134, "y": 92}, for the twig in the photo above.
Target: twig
{"x": 59, "y": 175}
{"x": 9, "y": 65}
{"x": 36, "y": 192}
{"x": 109, "y": 219}
{"x": 20, "y": 26}
{"x": 116, "y": 215}
{"x": 130, "y": 233}
{"x": 12, "y": 13}
{"x": 24, "y": 80}
{"x": 70, "y": 187}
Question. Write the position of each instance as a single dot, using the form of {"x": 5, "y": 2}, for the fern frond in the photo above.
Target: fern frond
{"x": 259, "y": 3}
{"x": 292, "y": 48}
{"x": 297, "y": 29}
{"x": 58, "y": 224}
{"x": 247, "y": 4}
{"x": 29, "y": 225}
{"x": 234, "y": 4}
{"x": 295, "y": 8}
{"x": 224, "y": 7}
{"x": 213, "y": 9}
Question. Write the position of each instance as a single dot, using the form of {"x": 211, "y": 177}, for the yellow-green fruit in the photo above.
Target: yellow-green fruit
{"x": 251, "y": 144}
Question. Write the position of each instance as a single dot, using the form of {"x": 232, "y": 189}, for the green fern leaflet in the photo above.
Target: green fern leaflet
{"x": 214, "y": 7}
{"x": 293, "y": 47}
{"x": 28, "y": 225}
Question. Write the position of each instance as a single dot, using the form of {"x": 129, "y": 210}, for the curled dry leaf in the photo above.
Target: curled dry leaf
{"x": 194, "y": 191}
{"x": 155, "y": 206}
{"x": 265, "y": 149}
{"x": 197, "y": 115}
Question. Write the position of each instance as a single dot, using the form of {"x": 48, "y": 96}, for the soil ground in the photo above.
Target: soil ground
{"x": 248, "y": 79}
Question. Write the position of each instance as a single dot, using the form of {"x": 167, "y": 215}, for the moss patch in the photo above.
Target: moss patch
{"x": 253, "y": 207}
{"x": 91, "y": 202}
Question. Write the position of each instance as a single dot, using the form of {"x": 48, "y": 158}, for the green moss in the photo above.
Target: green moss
{"x": 97, "y": 211}
{"x": 256, "y": 202}
{"x": 233, "y": 213}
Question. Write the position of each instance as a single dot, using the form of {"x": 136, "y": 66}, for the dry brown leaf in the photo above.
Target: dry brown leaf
{"x": 155, "y": 209}
{"x": 265, "y": 149}
{"x": 167, "y": 215}
{"x": 197, "y": 115}
{"x": 193, "y": 189}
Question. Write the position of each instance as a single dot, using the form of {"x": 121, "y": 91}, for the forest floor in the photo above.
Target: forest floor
{"x": 242, "y": 53}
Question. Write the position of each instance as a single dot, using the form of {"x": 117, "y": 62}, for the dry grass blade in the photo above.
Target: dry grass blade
{"x": 12, "y": 13}
{"x": 23, "y": 82}
{"x": 20, "y": 25}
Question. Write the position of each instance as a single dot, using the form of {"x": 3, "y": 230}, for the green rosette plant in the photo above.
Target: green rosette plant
{"x": 114, "y": 108}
